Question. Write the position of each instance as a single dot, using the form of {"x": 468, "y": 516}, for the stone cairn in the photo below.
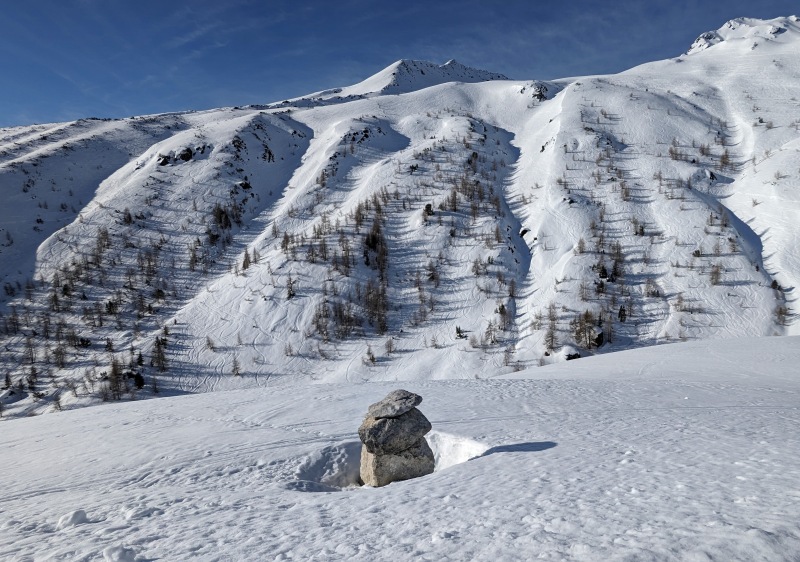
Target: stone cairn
{"x": 393, "y": 437}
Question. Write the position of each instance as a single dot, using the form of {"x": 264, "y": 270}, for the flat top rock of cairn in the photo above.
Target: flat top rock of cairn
{"x": 396, "y": 403}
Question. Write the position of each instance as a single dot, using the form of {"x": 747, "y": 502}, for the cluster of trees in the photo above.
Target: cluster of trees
{"x": 458, "y": 180}
{"x": 109, "y": 289}
{"x": 69, "y": 320}
{"x": 344, "y": 314}
{"x": 610, "y": 283}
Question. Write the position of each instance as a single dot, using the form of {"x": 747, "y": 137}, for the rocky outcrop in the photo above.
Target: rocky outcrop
{"x": 393, "y": 437}
{"x": 186, "y": 154}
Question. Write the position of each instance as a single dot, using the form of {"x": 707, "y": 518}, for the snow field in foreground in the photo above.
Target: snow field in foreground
{"x": 681, "y": 452}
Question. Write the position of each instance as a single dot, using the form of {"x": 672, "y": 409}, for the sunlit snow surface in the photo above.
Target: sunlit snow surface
{"x": 679, "y": 452}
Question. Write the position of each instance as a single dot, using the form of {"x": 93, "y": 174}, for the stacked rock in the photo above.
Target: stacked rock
{"x": 393, "y": 434}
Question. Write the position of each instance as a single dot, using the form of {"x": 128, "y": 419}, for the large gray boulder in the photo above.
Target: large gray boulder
{"x": 389, "y": 436}
{"x": 396, "y": 403}
{"x": 393, "y": 437}
{"x": 380, "y": 470}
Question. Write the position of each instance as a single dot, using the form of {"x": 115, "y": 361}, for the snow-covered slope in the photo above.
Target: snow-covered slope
{"x": 679, "y": 452}
{"x": 431, "y": 222}
{"x": 747, "y": 33}
{"x": 409, "y": 75}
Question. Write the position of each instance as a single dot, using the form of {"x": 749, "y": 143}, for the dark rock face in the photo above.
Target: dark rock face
{"x": 186, "y": 154}
{"x": 393, "y": 437}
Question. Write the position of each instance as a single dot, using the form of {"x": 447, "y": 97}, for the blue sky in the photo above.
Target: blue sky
{"x": 66, "y": 59}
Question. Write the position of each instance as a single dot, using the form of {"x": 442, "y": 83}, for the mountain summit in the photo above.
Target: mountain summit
{"x": 748, "y": 32}
{"x": 408, "y": 75}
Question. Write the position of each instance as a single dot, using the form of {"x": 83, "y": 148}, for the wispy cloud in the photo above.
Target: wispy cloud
{"x": 124, "y": 58}
{"x": 193, "y": 35}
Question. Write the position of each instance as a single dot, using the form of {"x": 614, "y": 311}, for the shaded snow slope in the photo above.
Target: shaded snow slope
{"x": 448, "y": 226}
{"x": 684, "y": 451}
{"x": 49, "y": 173}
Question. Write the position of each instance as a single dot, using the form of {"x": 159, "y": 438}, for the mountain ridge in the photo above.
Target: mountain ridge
{"x": 408, "y": 227}
{"x": 407, "y": 75}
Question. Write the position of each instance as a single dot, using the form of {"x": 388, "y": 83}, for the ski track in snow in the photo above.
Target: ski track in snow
{"x": 645, "y": 457}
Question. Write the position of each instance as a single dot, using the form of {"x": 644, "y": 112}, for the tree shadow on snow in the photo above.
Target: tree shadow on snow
{"x": 520, "y": 448}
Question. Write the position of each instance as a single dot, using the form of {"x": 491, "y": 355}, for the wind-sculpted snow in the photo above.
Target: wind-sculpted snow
{"x": 432, "y": 222}
{"x": 683, "y": 452}
{"x": 748, "y": 32}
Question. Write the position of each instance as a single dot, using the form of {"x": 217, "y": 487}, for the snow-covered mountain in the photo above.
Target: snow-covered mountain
{"x": 431, "y": 222}
{"x": 409, "y": 75}
{"x": 747, "y": 33}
